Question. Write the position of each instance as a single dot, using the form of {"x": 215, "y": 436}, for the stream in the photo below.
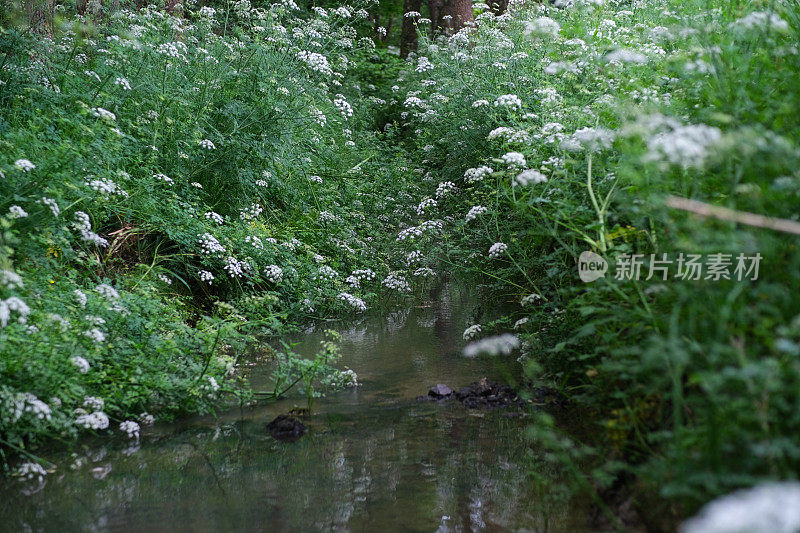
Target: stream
{"x": 375, "y": 458}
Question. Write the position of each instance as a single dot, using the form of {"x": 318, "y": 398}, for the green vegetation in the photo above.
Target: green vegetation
{"x": 172, "y": 186}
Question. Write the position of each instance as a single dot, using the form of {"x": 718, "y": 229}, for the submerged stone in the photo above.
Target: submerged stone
{"x": 286, "y": 429}
{"x": 480, "y": 394}
{"x": 440, "y": 390}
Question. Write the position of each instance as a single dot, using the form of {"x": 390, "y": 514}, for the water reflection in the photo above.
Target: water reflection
{"x": 374, "y": 458}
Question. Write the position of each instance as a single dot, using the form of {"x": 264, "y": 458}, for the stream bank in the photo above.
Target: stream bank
{"x": 374, "y": 457}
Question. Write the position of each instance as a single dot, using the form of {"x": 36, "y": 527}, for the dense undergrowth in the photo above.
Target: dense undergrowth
{"x": 172, "y": 186}
{"x": 566, "y": 128}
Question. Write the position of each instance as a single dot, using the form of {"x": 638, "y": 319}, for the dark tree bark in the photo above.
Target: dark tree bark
{"x": 385, "y": 37}
{"x": 449, "y": 16}
{"x": 408, "y": 34}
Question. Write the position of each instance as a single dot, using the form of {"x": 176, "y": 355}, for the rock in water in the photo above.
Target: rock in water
{"x": 440, "y": 390}
{"x": 286, "y": 429}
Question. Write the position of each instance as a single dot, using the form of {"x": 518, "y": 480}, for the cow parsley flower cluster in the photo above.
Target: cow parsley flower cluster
{"x": 425, "y": 204}
{"x": 508, "y": 100}
{"x": 83, "y": 225}
{"x": 529, "y": 299}
{"x": 589, "y": 139}
{"x": 497, "y": 249}
{"x": 16, "y": 211}
{"x": 528, "y": 177}
{"x": 316, "y": 62}
{"x": 473, "y": 175}
{"x": 343, "y": 106}
{"x": 215, "y": 217}
{"x": 82, "y": 364}
{"x": 24, "y": 165}
{"x": 475, "y": 212}
{"x": 423, "y": 64}
{"x": 325, "y": 272}
{"x": 210, "y": 245}
{"x": 471, "y": 332}
{"x": 254, "y": 241}
{"x": 354, "y": 302}
{"x": 131, "y": 428}
{"x": 409, "y": 233}
{"x": 445, "y": 188}
{"x": 31, "y": 471}
{"x": 357, "y": 276}
{"x": 414, "y": 257}
{"x": 163, "y": 177}
{"x": 104, "y": 114}
{"x": 107, "y": 291}
{"x": 235, "y": 268}
{"x": 773, "y": 507}
{"x": 95, "y": 335}
{"x": 514, "y": 160}
{"x": 96, "y": 420}
{"x": 273, "y": 273}
{"x": 251, "y": 213}
{"x": 498, "y": 345}
{"x": 542, "y": 27}
{"x": 760, "y": 20}
{"x": 206, "y": 276}
{"x": 626, "y": 55}
{"x": 396, "y": 282}
{"x": 13, "y": 304}
{"x": 123, "y": 83}
{"x": 10, "y": 280}
{"x": 684, "y": 146}
{"x": 106, "y": 187}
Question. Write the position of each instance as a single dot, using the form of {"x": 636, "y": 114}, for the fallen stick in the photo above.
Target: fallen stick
{"x": 743, "y": 217}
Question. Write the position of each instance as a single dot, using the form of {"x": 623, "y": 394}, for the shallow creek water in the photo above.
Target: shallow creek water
{"x": 375, "y": 458}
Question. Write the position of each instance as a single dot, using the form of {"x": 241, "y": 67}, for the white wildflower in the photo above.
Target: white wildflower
{"x": 474, "y": 212}
{"x": 497, "y": 249}
{"x": 528, "y": 177}
{"x": 24, "y": 165}
{"x": 104, "y": 114}
{"x": 514, "y": 160}
{"x": 16, "y": 211}
{"x": 131, "y": 428}
{"x": 31, "y": 471}
{"x": 354, "y": 302}
{"x": 273, "y": 273}
{"x": 773, "y": 507}
{"x": 498, "y": 345}
{"x": 508, "y": 100}
{"x": 473, "y": 175}
{"x": 471, "y": 332}
{"x": 542, "y": 27}
{"x": 81, "y": 363}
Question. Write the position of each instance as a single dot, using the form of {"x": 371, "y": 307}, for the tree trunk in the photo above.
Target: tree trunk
{"x": 449, "y": 16}
{"x": 408, "y": 34}
{"x": 388, "y": 31}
